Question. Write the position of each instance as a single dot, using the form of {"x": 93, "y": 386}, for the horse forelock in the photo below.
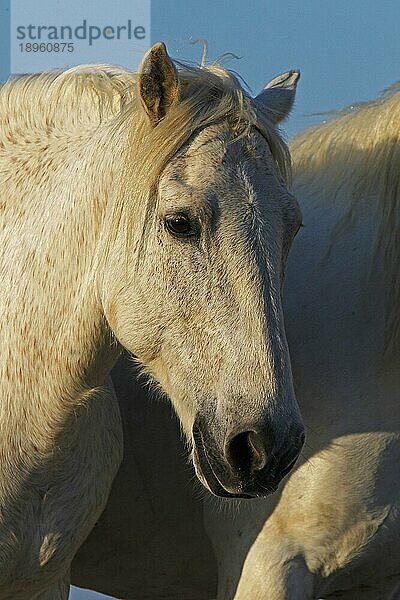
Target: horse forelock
{"x": 361, "y": 148}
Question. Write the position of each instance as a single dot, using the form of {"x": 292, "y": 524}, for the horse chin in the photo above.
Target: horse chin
{"x": 208, "y": 478}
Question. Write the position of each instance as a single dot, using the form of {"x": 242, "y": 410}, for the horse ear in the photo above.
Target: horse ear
{"x": 158, "y": 83}
{"x": 277, "y": 98}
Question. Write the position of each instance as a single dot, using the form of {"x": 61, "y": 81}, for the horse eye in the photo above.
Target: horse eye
{"x": 180, "y": 225}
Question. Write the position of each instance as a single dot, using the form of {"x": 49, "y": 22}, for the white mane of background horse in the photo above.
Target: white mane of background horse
{"x": 333, "y": 529}
{"x": 149, "y": 213}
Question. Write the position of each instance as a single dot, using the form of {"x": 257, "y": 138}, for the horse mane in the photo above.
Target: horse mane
{"x": 88, "y": 95}
{"x": 362, "y": 146}
{"x": 56, "y": 102}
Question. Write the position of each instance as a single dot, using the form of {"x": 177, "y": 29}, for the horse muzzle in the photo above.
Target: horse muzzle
{"x": 250, "y": 465}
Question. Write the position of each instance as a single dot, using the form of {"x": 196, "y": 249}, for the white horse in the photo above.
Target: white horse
{"x": 333, "y": 529}
{"x": 133, "y": 214}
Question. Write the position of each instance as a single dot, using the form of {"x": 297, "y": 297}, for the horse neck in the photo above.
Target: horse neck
{"x": 334, "y": 308}
{"x": 56, "y": 344}
{"x": 333, "y": 256}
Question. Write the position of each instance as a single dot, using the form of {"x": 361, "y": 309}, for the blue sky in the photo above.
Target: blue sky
{"x": 347, "y": 50}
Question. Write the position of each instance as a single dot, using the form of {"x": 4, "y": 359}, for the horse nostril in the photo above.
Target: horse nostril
{"x": 245, "y": 452}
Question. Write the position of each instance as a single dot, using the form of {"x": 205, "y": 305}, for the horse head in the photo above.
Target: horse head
{"x": 198, "y": 299}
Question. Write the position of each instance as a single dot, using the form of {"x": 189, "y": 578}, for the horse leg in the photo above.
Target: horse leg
{"x": 256, "y": 561}
{"x": 276, "y": 577}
